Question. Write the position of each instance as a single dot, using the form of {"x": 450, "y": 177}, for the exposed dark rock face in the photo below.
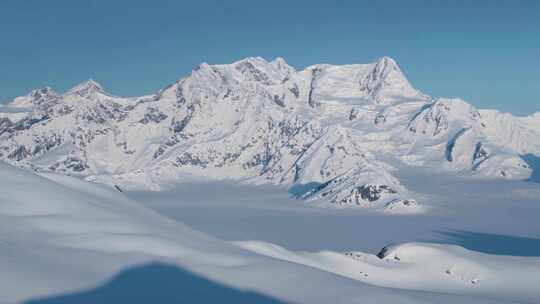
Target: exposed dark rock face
{"x": 27, "y": 123}
{"x": 383, "y": 253}
{"x": 45, "y": 143}
{"x": 372, "y": 193}
{"x": 259, "y": 160}
{"x": 353, "y": 114}
{"x": 180, "y": 98}
{"x": 159, "y": 151}
{"x": 153, "y": 115}
{"x": 311, "y": 97}
{"x": 295, "y": 90}
{"x": 279, "y": 100}
{"x": 248, "y": 69}
{"x": 179, "y": 126}
{"x": 188, "y": 159}
{"x": 366, "y": 193}
{"x": 480, "y": 154}
{"x": 19, "y": 154}
{"x": 441, "y": 124}
{"x": 227, "y": 158}
{"x": 375, "y": 81}
{"x": 43, "y": 95}
{"x": 70, "y": 164}
{"x": 5, "y": 124}
{"x": 409, "y": 202}
{"x": 75, "y": 164}
{"x": 434, "y": 114}
{"x": 380, "y": 119}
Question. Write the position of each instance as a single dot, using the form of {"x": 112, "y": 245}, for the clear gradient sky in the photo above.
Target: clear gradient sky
{"x": 486, "y": 52}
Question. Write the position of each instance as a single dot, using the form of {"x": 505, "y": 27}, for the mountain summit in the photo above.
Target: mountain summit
{"x": 335, "y": 131}
{"x": 87, "y": 87}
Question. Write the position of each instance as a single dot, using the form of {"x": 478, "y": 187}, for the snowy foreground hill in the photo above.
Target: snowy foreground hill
{"x": 335, "y": 135}
{"x": 65, "y": 240}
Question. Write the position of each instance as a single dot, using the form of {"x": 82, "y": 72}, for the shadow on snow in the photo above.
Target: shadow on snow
{"x": 300, "y": 190}
{"x": 158, "y": 283}
{"x": 534, "y": 162}
{"x": 493, "y": 243}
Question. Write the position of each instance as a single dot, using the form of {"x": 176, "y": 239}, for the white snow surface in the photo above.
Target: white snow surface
{"x": 423, "y": 266}
{"x": 60, "y": 234}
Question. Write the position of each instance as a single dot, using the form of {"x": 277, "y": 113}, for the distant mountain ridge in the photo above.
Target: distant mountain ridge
{"x": 339, "y": 132}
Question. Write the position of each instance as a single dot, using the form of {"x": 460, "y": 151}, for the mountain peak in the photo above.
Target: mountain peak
{"x": 279, "y": 60}
{"x": 385, "y": 66}
{"x": 252, "y": 59}
{"x": 385, "y": 80}
{"x": 87, "y": 87}
{"x": 386, "y": 61}
{"x": 35, "y": 97}
{"x": 282, "y": 65}
{"x": 43, "y": 92}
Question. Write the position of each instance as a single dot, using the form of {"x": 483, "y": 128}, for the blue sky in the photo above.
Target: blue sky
{"x": 486, "y": 52}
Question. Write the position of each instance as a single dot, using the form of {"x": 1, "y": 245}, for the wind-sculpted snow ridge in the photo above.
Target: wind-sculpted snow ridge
{"x": 343, "y": 128}
{"x": 63, "y": 236}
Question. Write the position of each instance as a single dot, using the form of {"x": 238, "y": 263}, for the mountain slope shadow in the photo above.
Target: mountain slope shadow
{"x": 159, "y": 283}
{"x": 534, "y": 162}
{"x": 299, "y": 190}
{"x": 493, "y": 243}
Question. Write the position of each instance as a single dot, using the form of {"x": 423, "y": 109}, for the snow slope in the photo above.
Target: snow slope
{"x": 62, "y": 235}
{"x": 424, "y": 266}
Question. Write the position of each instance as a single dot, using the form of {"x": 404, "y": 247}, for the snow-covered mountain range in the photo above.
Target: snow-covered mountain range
{"x": 332, "y": 134}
